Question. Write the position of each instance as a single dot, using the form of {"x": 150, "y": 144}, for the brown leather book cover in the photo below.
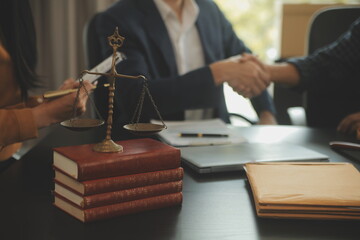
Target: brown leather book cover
{"x": 139, "y": 155}
{"x": 118, "y": 209}
{"x": 108, "y": 198}
{"x": 103, "y": 185}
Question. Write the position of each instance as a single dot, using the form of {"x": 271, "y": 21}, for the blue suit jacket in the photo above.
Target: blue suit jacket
{"x": 149, "y": 52}
{"x": 331, "y": 78}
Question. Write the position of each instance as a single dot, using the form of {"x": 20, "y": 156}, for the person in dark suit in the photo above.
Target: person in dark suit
{"x": 184, "y": 48}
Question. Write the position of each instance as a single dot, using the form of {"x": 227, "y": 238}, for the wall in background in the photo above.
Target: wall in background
{"x": 59, "y": 26}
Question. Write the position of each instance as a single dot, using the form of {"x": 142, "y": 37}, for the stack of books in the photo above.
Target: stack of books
{"x": 92, "y": 186}
{"x": 305, "y": 190}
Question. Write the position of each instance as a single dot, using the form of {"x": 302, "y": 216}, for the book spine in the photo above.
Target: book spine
{"x": 131, "y": 164}
{"x": 131, "y": 181}
{"x": 123, "y": 195}
{"x": 146, "y": 204}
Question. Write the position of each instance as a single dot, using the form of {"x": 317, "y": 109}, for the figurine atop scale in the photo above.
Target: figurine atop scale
{"x": 108, "y": 145}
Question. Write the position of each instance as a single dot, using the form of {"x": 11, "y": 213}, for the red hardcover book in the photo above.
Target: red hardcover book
{"x": 111, "y": 184}
{"x": 113, "y": 210}
{"x": 139, "y": 155}
{"x": 126, "y": 195}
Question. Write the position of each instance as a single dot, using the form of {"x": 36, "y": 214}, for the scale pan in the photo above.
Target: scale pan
{"x": 144, "y": 128}
{"x": 82, "y": 124}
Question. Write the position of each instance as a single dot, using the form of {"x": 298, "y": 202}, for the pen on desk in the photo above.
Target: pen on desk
{"x": 200, "y": 135}
{"x": 60, "y": 93}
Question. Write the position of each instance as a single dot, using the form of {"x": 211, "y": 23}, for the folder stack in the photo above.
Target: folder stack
{"x": 305, "y": 190}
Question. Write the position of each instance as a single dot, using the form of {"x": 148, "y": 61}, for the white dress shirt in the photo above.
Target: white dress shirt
{"x": 186, "y": 43}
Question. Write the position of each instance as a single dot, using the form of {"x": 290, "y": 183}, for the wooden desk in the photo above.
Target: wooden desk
{"x": 216, "y": 206}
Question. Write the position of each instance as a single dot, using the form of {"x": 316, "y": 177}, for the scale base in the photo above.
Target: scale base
{"x": 108, "y": 146}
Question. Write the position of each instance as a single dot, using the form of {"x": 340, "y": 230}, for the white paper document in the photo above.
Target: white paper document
{"x": 172, "y": 135}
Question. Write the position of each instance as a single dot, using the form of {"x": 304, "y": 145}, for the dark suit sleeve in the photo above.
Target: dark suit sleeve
{"x": 337, "y": 61}
{"x": 232, "y": 45}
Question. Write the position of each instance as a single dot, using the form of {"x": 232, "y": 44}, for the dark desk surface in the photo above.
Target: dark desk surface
{"x": 216, "y": 206}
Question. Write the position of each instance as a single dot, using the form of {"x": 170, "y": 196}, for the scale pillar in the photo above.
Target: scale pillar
{"x": 108, "y": 145}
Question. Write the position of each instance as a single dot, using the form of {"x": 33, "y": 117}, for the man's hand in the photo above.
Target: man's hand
{"x": 350, "y": 123}
{"x": 267, "y": 118}
{"x": 247, "y": 78}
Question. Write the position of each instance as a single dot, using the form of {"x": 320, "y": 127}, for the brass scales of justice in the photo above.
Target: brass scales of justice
{"x": 108, "y": 145}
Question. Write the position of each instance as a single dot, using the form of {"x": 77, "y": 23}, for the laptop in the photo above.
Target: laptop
{"x": 224, "y": 158}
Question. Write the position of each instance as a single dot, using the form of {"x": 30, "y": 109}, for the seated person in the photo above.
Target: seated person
{"x": 182, "y": 48}
{"x": 21, "y": 116}
{"x": 333, "y": 73}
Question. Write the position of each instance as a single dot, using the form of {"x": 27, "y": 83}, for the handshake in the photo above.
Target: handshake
{"x": 245, "y": 73}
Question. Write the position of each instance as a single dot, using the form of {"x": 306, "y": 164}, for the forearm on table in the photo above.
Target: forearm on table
{"x": 16, "y": 125}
